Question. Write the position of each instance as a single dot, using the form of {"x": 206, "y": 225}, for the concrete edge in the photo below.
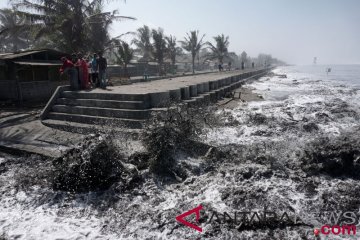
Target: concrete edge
{"x": 28, "y": 149}
{"x": 196, "y": 91}
{"x": 171, "y": 77}
{"x": 44, "y": 113}
{"x": 203, "y": 92}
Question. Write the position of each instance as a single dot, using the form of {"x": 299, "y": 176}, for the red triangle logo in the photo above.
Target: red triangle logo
{"x": 181, "y": 218}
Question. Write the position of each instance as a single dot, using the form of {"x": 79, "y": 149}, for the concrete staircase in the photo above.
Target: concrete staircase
{"x": 127, "y": 111}
{"x": 93, "y": 111}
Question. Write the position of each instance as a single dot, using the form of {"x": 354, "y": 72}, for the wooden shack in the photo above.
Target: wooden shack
{"x": 30, "y": 75}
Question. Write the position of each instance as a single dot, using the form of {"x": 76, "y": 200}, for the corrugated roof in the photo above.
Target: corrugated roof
{"x": 4, "y": 54}
{"x": 7, "y": 56}
{"x": 16, "y": 55}
{"x": 39, "y": 63}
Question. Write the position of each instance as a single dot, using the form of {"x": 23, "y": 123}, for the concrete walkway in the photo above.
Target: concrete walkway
{"x": 169, "y": 83}
{"x": 24, "y": 132}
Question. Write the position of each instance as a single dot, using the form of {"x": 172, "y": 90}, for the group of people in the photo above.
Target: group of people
{"x": 85, "y": 73}
{"x": 221, "y": 68}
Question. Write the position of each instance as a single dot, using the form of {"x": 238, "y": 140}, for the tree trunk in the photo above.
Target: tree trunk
{"x": 193, "y": 63}
{"x": 126, "y": 71}
{"x": 173, "y": 62}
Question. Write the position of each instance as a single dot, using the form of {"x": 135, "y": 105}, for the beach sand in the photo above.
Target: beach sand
{"x": 241, "y": 96}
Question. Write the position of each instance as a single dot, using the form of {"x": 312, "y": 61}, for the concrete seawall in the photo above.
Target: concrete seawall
{"x": 130, "y": 106}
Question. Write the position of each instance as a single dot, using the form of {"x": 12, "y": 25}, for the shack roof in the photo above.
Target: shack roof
{"x": 39, "y": 63}
{"x": 37, "y": 54}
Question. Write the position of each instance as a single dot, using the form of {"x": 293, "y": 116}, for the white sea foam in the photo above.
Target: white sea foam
{"x": 288, "y": 106}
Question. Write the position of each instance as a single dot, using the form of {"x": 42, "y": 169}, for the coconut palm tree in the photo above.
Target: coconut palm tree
{"x": 193, "y": 43}
{"x": 14, "y": 31}
{"x": 220, "y": 50}
{"x": 159, "y": 48}
{"x": 124, "y": 55}
{"x": 172, "y": 50}
{"x": 98, "y": 24}
{"x": 143, "y": 42}
{"x": 243, "y": 58}
{"x": 69, "y": 26}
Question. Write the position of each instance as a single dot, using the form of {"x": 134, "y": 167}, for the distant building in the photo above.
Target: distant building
{"x": 30, "y": 75}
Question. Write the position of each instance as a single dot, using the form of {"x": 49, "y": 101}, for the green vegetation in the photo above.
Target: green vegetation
{"x": 143, "y": 43}
{"x": 172, "y": 50}
{"x": 68, "y": 26}
{"x": 220, "y": 50}
{"x": 124, "y": 55}
{"x": 159, "y": 48}
{"x": 193, "y": 44}
{"x": 83, "y": 26}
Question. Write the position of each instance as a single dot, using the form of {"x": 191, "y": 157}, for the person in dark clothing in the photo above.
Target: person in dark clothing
{"x": 69, "y": 68}
{"x": 83, "y": 71}
{"x": 102, "y": 66}
{"x": 94, "y": 70}
{"x": 74, "y": 60}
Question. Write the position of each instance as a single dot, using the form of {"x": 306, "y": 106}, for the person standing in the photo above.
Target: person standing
{"x": 94, "y": 70}
{"x": 83, "y": 72}
{"x": 74, "y": 60}
{"x": 69, "y": 68}
{"x": 102, "y": 66}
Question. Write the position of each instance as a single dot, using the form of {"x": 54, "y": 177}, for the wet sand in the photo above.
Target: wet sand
{"x": 240, "y": 96}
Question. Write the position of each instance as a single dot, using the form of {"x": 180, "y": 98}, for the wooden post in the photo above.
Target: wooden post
{"x": 18, "y": 84}
{"x": 33, "y": 74}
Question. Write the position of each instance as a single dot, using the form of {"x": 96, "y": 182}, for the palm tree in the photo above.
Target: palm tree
{"x": 264, "y": 59}
{"x": 69, "y": 26}
{"x": 172, "y": 50}
{"x": 159, "y": 48}
{"x": 142, "y": 42}
{"x": 124, "y": 55}
{"x": 98, "y": 24}
{"x": 192, "y": 43}
{"x": 220, "y": 50}
{"x": 14, "y": 31}
{"x": 243, "y": 58}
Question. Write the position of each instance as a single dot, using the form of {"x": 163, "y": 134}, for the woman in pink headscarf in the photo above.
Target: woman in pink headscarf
{"x": 83, "y": 72}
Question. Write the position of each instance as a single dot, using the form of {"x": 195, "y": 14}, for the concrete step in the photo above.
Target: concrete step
{"x": 110, "y": 122}
{"x": 102, "y": 103}
{"x": 103, "y": 112}
{"x": 201, "y": 99}
{"x": 84, "y": 128}
{"x": 105, "y": 96}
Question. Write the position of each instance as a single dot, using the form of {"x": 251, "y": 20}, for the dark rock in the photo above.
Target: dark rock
{"x": 336, "y": 157}
{"x": 258, "y": 119}
{"x": 94, "y": 165}
{"x": 310, "y": 127}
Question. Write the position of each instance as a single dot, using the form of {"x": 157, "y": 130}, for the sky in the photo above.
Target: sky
{"x": 295, "y": 31}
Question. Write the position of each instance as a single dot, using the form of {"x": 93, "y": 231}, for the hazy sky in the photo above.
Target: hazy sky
{"x": 295, "y": 31}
